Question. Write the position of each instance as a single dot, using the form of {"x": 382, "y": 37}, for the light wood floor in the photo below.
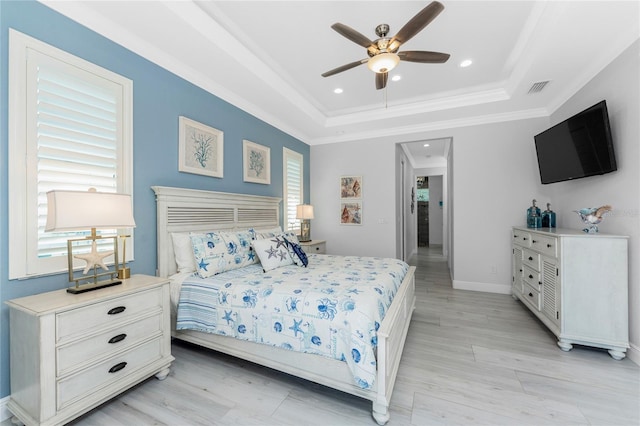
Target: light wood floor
{"x": 470, "y": 358}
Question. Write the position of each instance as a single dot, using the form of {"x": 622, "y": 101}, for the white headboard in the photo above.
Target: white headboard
{"x": 186, "y": 210}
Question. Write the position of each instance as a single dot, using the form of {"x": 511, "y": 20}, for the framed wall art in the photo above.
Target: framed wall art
{"x": 350, "y": 186}
{"x": 256, "y": 163}
{"x": 201, "y": 149}
{"x": 351, "y": 212}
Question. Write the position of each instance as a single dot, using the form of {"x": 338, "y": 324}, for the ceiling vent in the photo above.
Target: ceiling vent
{"x": 537, "y": 87}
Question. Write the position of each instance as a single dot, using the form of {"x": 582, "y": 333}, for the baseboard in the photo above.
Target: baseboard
{"x": 486, "y": 287}
{"x": 633, "y": 353}
{"x": 4, "y": 411}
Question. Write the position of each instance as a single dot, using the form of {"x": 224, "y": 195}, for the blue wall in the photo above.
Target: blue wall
{"x": 159, "y": 98}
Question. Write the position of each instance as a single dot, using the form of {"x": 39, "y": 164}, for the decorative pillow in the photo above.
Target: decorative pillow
{"x": 239, "y": 248}
{"x": 209, "y": 251}
{"x": 183, "y": 252}
{"x": 272, "y": 252}
{"x": 298, "y": 253}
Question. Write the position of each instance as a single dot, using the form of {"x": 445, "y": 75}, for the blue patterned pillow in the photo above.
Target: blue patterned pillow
{"x": 298, "y": 252}
{"x": 239, "y": 248}
{"x": 209, "y": 251}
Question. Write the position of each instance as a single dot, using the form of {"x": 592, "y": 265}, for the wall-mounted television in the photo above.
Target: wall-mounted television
{"x": 578, "y": 147}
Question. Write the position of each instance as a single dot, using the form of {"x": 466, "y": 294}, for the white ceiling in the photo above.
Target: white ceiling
{"x": 266, "y": 57}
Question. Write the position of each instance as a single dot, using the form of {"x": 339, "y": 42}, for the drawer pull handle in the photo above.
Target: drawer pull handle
{"x": 118, "y": 338}
{"x": 530, "y": 258}
{"x": 116, "y": 310}
{"x": 533, "y": 241}
{"x": 119, "y": 366}
{"x": 549, "y": 245}
{"x": 530, "y": 276}
{"x": 530, "y": 294}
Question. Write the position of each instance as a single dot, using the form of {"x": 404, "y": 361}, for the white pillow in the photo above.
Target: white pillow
{"x": 273, "y": 253}
{"x": 183, "y": 252}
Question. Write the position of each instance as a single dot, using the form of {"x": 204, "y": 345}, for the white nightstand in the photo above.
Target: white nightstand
{"x": 314, "y": 246}
{"x": 72, "y": 352}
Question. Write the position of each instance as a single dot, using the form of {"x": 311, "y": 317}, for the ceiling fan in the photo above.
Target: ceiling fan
{"x": 383, "y": 52}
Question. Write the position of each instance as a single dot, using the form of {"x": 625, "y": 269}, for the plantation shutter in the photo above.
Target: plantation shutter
{"x": 77, "y": 133}
{"x": 293, "y": 190}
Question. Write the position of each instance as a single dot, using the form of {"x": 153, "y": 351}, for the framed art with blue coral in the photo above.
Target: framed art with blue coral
{"x": 200, "y": 149}
{"x": 256, "y": 163}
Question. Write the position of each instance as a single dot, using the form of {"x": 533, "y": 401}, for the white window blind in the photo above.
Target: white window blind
{"x": 293, "y": 187}
{"x": 71, "y": 121}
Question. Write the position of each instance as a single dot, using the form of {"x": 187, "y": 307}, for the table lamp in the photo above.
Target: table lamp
{"x": 84, "y": 210}
{"x": 304, "y": 212}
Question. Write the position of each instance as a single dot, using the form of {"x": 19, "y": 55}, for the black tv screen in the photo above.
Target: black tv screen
{"x": 578, "y": 147}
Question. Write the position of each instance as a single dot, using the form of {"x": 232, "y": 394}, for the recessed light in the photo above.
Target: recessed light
{"x": 465, "y": 63}
{"x": 426, "y": 144}
{"x": 396, "y": 78}
{"x": 338, "y": 90}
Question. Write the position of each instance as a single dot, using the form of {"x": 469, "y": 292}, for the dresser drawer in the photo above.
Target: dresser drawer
{"x": 521, "y": 238}
{"x": 84, "y": 320}
{"x": 106, "y": 372}
{"x": 531, "y": 277}
{"x": 74, "y": 355}
{"x": 532, "y": 296}
{"x": 545, "y": 245}
{"x": 531, "y": 259}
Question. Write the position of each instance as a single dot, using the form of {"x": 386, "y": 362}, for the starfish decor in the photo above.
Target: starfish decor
{"x": 94, "y": 259}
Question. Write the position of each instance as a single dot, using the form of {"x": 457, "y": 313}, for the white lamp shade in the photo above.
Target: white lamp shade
{"x": 80, "y": 210}
{"x": 383, "y": 62}
{"x": 304, "y": 211}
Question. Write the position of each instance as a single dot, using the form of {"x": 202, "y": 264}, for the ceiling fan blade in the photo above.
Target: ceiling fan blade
{"x": 344, "y": 67}
{"x": 417, "y": 23}
{"x": 424, "y": 56}
{"x": 352, "y": 34}
{"x": 381, "y": 80}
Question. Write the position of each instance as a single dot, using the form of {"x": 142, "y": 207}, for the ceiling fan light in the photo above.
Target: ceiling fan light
{"x": 383, "y": 62}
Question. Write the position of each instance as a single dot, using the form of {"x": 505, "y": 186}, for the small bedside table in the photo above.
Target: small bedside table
{"x": 72, "y": 352}
{"x": 314, "y": 246}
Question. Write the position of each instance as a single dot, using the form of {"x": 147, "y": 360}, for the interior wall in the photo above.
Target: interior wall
{"x": 159, "y": 98}
{"x": 619, "y": 85}
{"x": 374, "y": 161}
{"x": 436, "y": 213}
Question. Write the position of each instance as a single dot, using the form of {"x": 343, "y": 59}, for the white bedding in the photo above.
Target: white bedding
{"x": 332, "y": 308}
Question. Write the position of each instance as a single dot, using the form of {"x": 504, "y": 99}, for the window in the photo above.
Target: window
{"x": 69, "y": 128}
{"x": 293, "y": 187}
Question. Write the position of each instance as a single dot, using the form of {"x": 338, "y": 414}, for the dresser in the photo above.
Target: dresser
{"x": 72, "y": 352}
{"x": 576, "y": 284}
{"x": 314, "y": 246}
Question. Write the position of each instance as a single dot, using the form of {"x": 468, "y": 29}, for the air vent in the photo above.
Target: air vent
{"x": 537, "y": 87}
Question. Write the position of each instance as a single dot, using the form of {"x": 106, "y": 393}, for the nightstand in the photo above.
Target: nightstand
{"x": 72, "y": 352}
{"x": 314, "y": 246}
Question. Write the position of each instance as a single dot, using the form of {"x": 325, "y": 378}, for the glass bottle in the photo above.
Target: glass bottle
{"x": 534, "y": 219}
{"x": 548, "y": 217}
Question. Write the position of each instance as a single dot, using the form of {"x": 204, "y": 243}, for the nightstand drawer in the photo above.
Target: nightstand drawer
{"x": 531, "y": 259}
{"x": 82, "y": 352}
{"x": 111, "y": 370}
{"x": 314, "y": 246}
{"x": 81, "y": 321}
{"x": 545, "y": 245}
{"x": 531, "y": 277}
{"x": 532, "y": 296}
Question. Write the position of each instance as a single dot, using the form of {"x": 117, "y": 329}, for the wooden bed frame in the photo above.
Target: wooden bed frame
{"x": 185, "y": 210}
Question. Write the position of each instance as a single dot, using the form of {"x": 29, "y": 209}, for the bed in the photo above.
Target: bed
{"x": 182, "y": 210}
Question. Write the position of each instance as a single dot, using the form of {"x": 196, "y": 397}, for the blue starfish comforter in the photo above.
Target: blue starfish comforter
{"x": 332, "y": 308}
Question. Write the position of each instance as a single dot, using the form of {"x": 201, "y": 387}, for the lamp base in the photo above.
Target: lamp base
{"x": 124, "y": 273}
{"x": 93, "y": 286}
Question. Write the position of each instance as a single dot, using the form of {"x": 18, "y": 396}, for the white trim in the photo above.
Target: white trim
{"x": 4, "y": 411}
{"x": 484, "y": 287}
{"x": 633, "y": 353}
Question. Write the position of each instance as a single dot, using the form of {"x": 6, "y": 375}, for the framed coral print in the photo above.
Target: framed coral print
{"x": 350, "y": 186}
{"x": 201, "y": 149}
{"x": 351, "y": 213}
{"x": 256, "y": 162}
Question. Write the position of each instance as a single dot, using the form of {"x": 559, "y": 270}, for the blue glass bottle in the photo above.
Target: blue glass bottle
{"x": 534, "y": 218}
{"x": 548, "y": 217}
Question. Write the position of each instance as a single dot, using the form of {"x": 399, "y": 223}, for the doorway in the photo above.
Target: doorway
{"x": 430, "y": 217}
{"x": 422, "y": 185}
